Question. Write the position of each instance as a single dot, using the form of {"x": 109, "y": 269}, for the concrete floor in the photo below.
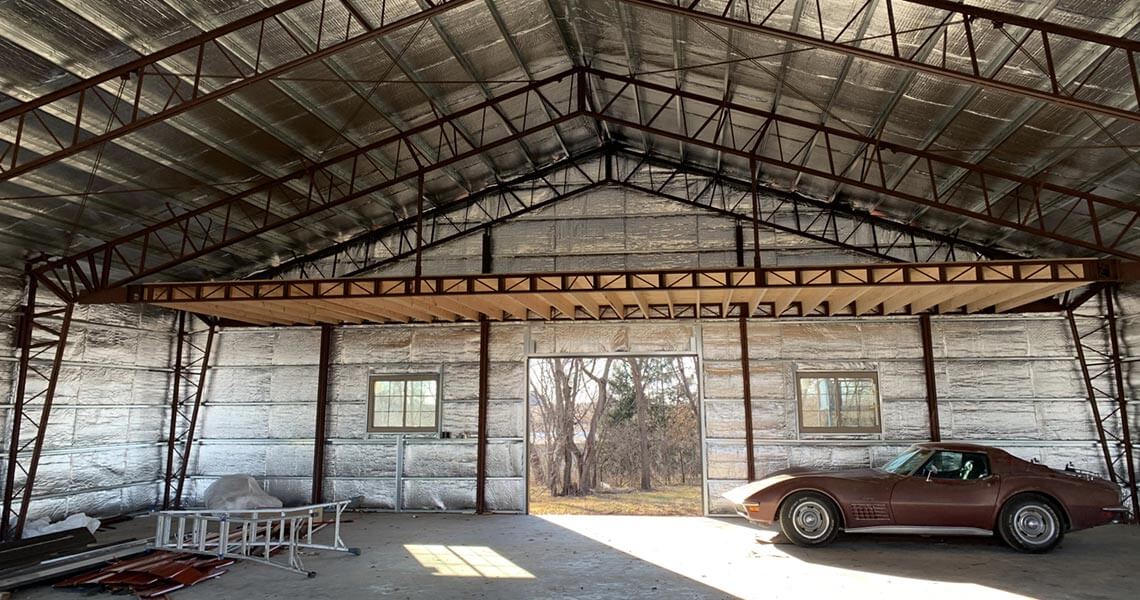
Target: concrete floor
{"x": 502, "y": 557}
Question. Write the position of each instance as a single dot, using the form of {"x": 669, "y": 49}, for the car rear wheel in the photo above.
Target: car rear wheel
{"x": 1031, "y": 523}
{"x": 809, "y": 519}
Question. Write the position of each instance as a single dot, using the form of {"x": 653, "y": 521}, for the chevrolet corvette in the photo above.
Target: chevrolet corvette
{"x": 935, "y": 488}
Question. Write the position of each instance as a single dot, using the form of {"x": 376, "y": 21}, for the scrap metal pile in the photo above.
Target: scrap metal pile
{"x": 151, "y": 576}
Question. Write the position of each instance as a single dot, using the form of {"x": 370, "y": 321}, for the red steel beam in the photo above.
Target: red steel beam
{"x": 72, "y": 107}
{"x": 175, "y": 406}
{"x": 320, "y": 433}
{"x": 756, "y": 22}
{"x": 1021, "y": 209}
{"x": 273, "y": 203}
{"x": 192, "y": 426}
{"x": 484, "y": 400}
{"x": 928, "y": 372}
{"x": 746, "y": 370}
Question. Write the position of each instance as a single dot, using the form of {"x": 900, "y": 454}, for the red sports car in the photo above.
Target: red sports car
{"x": 946, "y": 489}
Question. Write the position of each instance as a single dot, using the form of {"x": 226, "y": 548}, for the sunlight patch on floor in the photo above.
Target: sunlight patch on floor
{"x": 727, "y": 556}
{"x": 466, "y": 561}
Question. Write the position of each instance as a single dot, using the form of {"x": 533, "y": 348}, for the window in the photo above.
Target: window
{"x": 403, "y": 402}
{"x": 946, "y": 464}
{"x": 840, "y": 402}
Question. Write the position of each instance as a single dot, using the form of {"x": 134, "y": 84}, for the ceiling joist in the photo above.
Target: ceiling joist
{"x": 856, "y": 290}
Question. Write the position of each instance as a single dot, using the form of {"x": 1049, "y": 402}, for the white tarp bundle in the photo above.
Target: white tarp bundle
{"x": 238, "y": 492}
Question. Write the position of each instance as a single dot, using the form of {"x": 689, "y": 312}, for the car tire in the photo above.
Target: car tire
{"x": 809, "y": 519}
{"x": 1031, "y": 523}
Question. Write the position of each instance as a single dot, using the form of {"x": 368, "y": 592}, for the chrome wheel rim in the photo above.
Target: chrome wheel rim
{"x": 811, "y": 519}
{"x": 1034, "y": 525}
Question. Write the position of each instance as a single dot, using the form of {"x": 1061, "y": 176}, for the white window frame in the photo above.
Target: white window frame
{"x": 404, "y": 378}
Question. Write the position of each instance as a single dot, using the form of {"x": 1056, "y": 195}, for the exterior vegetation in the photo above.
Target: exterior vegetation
{"x": 606, "y": 427}
{"x": 671, "y": 500}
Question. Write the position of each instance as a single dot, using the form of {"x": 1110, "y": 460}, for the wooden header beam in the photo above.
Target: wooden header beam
{"x": 853, "y": 290}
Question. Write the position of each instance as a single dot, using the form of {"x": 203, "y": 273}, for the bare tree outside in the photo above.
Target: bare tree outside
{"x": 615, "y": 435}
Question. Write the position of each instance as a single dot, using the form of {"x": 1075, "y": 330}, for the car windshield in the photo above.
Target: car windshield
{"x": 907, "y": 462}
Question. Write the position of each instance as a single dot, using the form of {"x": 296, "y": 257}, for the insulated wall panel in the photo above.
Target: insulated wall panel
{"x": 260, "y": 413}
{"x": 103, "y": 451}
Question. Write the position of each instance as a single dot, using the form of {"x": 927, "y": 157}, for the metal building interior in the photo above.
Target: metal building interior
{"x": 220, "y": 218}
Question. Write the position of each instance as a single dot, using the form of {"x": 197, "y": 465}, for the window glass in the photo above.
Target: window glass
{"x": 946, "y": 464}
{"x": 408, "y": 403}
{"x": 838, "y": 402}
{"x": 907, "y": 462}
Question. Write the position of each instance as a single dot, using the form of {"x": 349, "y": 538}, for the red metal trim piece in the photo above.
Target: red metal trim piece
{"x": 57, "y": 106}
{"x": 320, "y": 429}
{"x": 710, "y": 12}
{"x": 928, "y": 373}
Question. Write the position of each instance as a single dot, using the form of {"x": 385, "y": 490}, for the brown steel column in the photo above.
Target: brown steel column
{"x": 419, "y": 230}
{"x": 1121, "y": 399}
{"x": 749, "y": 453}
{"x": 24, "y": 342}
{"x": 320, "y": 432}
{"x": 754, "y": 171}
{"x": 928, "y": 371}
{"x": 175, "y": 403}
{"x": 193, "y": 425}
{"x": 481, "y": 450}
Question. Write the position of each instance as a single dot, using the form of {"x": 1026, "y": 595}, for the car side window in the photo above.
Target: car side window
{"x": 947, "y": 464}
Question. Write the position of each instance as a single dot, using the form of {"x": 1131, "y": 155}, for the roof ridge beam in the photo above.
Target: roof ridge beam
{"x": 368, "y": 252}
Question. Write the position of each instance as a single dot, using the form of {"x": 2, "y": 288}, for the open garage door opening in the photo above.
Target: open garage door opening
{"x": 614, "y": 435}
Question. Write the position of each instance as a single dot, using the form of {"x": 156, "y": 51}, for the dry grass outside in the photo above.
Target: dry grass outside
{"x": 678, "y": 500}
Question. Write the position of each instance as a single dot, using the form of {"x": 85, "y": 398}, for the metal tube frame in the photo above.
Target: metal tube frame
{"x": 185, "y": 406}
{"x": 1097, "y": 344}
{"x": 36, "y": 338}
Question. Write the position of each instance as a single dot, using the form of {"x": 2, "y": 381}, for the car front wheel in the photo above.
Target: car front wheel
{"x": 1031, "y": 524}
{"x": 809, "y": 519}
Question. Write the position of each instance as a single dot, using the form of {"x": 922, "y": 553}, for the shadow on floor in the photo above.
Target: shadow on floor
{"x": 1098, "y": 563}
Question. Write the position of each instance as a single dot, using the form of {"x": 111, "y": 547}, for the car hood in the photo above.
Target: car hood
{"x": 739, "y": 494}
